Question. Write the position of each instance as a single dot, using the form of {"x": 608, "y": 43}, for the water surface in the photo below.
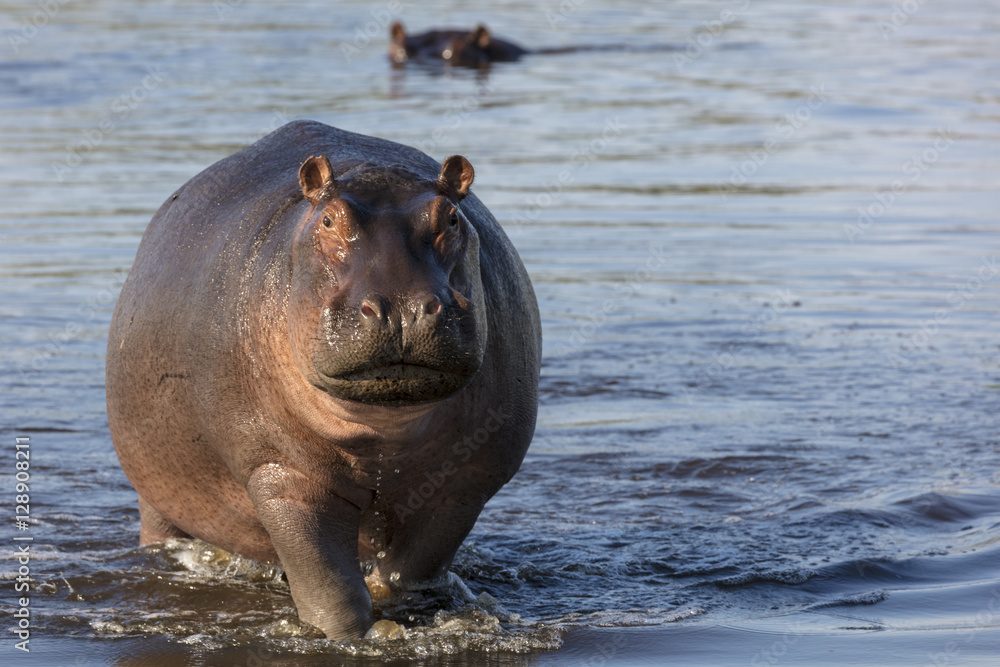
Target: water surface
{"x": 764, "y": 243}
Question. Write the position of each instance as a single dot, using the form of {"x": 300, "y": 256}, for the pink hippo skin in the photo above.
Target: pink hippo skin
{"x": 327, "y": 348}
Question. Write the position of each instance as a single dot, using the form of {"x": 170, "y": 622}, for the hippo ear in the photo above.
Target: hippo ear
{"x": 315, "y": 175}
{"x": 397, "y": 32}
{"x": 481, "y": 36}
{"x": 456, "y": 177}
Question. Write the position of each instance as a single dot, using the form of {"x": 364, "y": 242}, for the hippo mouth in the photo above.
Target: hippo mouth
{"x": 394, "y": 384}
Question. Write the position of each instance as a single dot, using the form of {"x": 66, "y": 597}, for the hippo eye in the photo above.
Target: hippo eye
{"x": 453, "y": 219}
{"x": 327, "y": 222}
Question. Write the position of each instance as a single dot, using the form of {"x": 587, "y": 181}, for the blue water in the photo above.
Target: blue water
{"x": 764, "y": 242}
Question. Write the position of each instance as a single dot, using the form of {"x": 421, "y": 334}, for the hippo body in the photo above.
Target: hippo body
{"x": 462, "y": 48}
{"x": 326, "y": 355}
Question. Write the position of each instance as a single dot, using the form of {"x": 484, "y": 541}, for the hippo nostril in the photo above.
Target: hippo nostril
{"x": 371, "y": 309}
{"x": 432, "y": 306}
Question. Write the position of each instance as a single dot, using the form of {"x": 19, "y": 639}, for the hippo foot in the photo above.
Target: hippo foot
{"x": 386, "y": 629}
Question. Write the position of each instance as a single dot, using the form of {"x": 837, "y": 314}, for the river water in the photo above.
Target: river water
{"x": 764, "y": 240}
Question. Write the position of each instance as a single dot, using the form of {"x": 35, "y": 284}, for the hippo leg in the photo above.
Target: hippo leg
{"x": 422, "y": 549}
{"x": 155, "y": 527}
{"x": 314, "y": 533}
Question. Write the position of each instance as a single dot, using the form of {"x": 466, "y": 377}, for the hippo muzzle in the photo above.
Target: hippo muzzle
{"x": 384, "y": 355}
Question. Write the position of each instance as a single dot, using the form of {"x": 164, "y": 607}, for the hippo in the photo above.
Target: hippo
{"x": 462, "y": 48}
{"x": 325, "y": 356}
{"x": 478, "y": 48}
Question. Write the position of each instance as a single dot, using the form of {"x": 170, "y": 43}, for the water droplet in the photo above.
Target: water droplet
{"x": 396, "y": 471}
{"x": 372, "y": 540}
{"x": 380, "y": 555}
{"x": 394, "y": 577}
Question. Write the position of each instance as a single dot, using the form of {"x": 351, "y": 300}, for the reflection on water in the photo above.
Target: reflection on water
{"x": 766, "y": 265}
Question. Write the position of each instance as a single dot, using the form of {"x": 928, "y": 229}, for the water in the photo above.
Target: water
{"x": 768, "y": 424}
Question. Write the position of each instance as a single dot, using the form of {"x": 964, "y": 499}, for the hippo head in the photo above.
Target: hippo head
{"x": 468, "y": 50}
{"x": 386, "y": 305}
{"x": 453, "y": 47}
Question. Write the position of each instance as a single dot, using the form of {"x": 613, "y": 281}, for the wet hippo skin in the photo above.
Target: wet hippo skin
{"x": 325, "y": 355}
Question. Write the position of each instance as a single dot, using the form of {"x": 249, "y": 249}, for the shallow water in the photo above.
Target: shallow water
{"x": 768, "y": 429}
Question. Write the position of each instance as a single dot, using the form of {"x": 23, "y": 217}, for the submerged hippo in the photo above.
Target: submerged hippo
{"x": 478, "y": 48}
{"x": 326, "y": 355}
{"x": 464, "y": 48}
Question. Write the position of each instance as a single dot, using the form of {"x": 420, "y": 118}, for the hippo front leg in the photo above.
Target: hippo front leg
{"x": 315, "y": 534}
{"x": 423, "y": 546}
